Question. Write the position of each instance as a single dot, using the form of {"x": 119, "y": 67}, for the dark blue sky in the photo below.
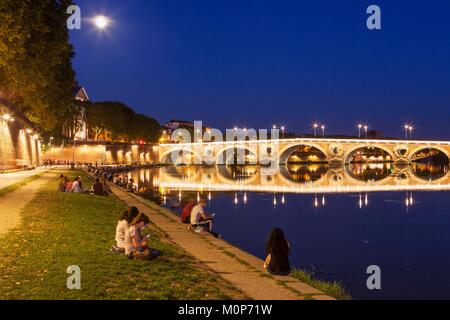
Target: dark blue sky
{"x": 255, "y": 63}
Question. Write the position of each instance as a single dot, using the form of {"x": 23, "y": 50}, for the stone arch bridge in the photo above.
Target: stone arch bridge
{"x": 334, "y": 151}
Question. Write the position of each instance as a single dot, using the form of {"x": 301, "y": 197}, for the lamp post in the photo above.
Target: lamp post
{"x": 315, "y": 126}
{"x": 360, "y": 126}
{"x": 366, "y": 128}
{"x": 408, "y": 129}
{"x": 282, "y": 131}
{"x": 323, "y": 130}
{"x": 51, "y": 139}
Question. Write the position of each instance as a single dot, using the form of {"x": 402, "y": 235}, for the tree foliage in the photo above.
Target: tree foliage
{"x": 115, "y": 121}
{"x": 36, "y": 59}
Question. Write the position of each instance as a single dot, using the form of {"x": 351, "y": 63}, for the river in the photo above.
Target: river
{"x": 338, "y": 220}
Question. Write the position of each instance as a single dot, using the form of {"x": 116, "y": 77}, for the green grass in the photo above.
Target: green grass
{"x": 63, "y": 229}
{"x": 17, "y": 185}
{"x": 333, "y": 289}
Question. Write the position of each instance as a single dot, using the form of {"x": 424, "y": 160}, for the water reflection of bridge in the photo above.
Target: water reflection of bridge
{"x": 298, "y": 178}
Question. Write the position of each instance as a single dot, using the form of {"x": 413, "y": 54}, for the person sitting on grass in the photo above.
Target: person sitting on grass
{"x": 277, "y": 250}
{"x": 97, "y": 187}
{"x": 106, "y": 189}
{"x": 62, "y": 183}
{"x": 123, "y": 224}
{"x": 69, "y": 185}
{"x": 136, "y": 245}
{"x": 77, "y": 186}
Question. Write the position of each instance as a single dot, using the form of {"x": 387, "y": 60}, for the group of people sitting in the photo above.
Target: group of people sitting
{"x": 277, "y": 247}
{"x": 124, "y": 182}
{"x": 109, "y": 174}
{"x": 132, "y": 235}
{"x": 99, "y": 188}
{"x": 67, "y": 185}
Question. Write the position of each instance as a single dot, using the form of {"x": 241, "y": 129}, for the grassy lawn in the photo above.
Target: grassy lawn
{"x": 63, "y": 229}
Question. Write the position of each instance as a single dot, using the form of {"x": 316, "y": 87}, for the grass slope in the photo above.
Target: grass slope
{"x": 63, "y": 229}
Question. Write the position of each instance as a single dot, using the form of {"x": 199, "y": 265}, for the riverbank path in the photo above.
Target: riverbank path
{"x": 241, "y": 269}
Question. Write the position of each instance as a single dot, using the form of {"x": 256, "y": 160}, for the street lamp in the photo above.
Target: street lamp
{"x": 323, "y": 130}
{"x": 366, "y": 128}
{"x": 408, "y": 128}
{"x": 315, "y": 126}
{"x": 51, "y": 139}
{"x": 360, "y": 126}
{"x": 282, "y": 131}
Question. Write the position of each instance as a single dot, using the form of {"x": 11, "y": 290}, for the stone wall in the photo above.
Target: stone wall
{"x": 19, "y": 146}
{"x": 104, "y": 154}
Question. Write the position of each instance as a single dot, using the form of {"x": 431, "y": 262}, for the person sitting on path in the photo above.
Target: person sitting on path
{"x": 136, "y": 246}
{"x": 130, "y": 186}
{"x": 199, "y": 219}
{"x": 186, "y": 213}
{"x": 277, "y": 250}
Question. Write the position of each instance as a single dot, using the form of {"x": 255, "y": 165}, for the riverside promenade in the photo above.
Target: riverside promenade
{"x": 7, "y": 179}
{"x": 241, "y": 269}
{"x": 16, "y": 200}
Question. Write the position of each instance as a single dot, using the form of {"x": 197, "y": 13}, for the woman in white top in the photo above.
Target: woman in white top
{"x": 77, "y": 186}
{"x": 122, "y": 226}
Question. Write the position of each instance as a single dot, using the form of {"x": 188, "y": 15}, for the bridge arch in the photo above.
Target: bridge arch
{"x": 222, "y": 153}
{"x": 416, "y": 150}
{"x": 286, "y": 152}
{"x": 180, "y": 153}
{"x": 224, "y": 175}
{"x": 316, "y": 177}
{"x": 381, "y": 147}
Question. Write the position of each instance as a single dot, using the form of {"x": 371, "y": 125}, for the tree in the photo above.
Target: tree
{"x": 36, "y": 59}
{"x": 116, "y": 121}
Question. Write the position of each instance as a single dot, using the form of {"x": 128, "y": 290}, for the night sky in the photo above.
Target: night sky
{"x": 256, "y": 63}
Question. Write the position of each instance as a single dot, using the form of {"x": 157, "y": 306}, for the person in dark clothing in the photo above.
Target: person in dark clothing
{"x": 277, "y": 250}
{"x": 98, "y": 188}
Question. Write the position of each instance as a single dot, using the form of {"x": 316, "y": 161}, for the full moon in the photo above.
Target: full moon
{"x": 101, "y": 22}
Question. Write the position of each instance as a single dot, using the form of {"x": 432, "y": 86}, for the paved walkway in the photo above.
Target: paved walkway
{"x": 12, "y": 204}
{"x": 239, "y": 268}
{"x": 8, "y": 179}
